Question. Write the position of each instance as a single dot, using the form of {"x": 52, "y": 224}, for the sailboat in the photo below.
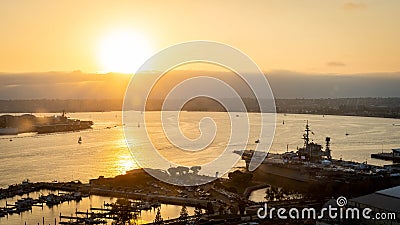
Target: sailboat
{"x": 80, "y": 140}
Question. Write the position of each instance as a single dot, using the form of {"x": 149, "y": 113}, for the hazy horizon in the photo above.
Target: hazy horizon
{"x": 285, "y": 84}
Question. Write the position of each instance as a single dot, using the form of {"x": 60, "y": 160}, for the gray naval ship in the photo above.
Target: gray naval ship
{"x": 11, "y": 125}
{"x": 312, "y": 168}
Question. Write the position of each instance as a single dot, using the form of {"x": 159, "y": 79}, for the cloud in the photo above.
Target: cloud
{"x": 60, "y": 85}
{"x": 335, "y": 63}
{"x": 353, "y": 6}
{"x": 301, "y": 85}
{"x": 11, "y": 85}
{"x": 284, "y": 84}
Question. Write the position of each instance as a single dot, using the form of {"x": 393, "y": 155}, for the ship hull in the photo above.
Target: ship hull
{"x": 305, "y": 181}
{"x": 285, "y": 172}
{"x": 8, "y": 131}
{"x": 61, "y": 128}
{"x": 289, "y": 178}
{"x": 10, "y": 125}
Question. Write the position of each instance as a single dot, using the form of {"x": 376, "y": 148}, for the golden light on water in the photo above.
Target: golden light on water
{"x": 125, "y": 163}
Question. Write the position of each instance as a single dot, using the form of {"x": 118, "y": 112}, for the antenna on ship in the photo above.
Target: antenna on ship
{"x": 327, "y": 149}
{"x": 306, "y": 135}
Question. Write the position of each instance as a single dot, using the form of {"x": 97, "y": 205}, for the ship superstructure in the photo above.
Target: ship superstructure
{"x": 313, "y": 151}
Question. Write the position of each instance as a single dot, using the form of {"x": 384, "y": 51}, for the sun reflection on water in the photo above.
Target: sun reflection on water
{"x": 125, "y": 161}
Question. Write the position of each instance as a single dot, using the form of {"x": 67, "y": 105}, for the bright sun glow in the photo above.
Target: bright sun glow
{"x": 123, "y": 51}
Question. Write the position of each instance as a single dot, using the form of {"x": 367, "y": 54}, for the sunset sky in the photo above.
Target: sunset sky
{"x": 308, "y": 36}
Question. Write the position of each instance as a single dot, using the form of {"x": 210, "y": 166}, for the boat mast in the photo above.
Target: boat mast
{"x": 306, "y": 135}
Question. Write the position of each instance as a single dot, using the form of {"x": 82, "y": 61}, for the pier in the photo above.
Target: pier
{"x": 390, "y": 156}
{"x": 26, "y": 204}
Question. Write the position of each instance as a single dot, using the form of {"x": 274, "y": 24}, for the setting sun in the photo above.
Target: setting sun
{"x": 123, "y": 51}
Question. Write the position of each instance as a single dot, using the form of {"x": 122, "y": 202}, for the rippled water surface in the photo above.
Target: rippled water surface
{"x": 104, "y": 152}
{"x": 58, "y": 156}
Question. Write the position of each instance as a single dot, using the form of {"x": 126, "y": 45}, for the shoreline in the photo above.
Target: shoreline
{"x": 201, "y": 111}
{"x": 383, "y": 107}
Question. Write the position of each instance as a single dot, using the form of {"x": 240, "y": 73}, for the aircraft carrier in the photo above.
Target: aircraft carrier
{"x": 313, "y": 168}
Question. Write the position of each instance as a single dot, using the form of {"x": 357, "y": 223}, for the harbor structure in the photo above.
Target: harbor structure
{"x": 385, "y": 202}
{"x": 390, "y": 156}
{"x": 11, "y": 125}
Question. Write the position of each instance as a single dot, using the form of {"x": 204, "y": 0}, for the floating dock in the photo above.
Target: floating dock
{"x": 390, "y": 156}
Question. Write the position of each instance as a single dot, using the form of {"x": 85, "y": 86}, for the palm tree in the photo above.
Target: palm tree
{"x": 198, "y": 211}
{"x": 183, "y": 214}
{"x": 158, "y": 220}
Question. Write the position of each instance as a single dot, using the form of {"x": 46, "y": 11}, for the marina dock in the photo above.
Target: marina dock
{"x": 389, "y": 156}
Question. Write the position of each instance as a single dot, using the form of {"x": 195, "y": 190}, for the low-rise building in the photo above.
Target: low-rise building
{"x": 385, "y": 206}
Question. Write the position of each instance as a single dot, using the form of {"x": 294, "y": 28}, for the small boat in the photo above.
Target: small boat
{"x": 80, "y": 140}
{"x": 283, "y": 122}
{"x": 398, "y": 124}
{"x": 347, "y": 134}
